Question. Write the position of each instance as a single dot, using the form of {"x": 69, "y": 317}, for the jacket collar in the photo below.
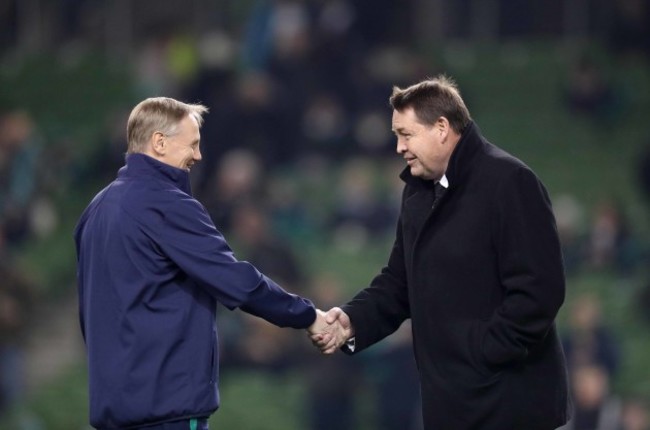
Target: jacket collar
{"x": 459, "y": 163}
{"x": 138, "y": 165}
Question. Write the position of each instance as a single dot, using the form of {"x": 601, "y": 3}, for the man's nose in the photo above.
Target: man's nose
{"x": 401, "y": 146}
{"x": 197, "y": 154}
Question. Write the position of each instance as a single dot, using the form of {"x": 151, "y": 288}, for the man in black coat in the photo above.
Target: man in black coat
{"x": 476, "y": 265}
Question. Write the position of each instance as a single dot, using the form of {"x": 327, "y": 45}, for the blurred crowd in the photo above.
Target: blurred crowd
{"x": 298, "y": 153}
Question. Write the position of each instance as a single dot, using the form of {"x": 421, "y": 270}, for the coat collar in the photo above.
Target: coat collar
{"x": 459, "y": 163}
{"x": 138, "y": 165}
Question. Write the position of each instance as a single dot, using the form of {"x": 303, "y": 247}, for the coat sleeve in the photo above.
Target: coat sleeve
{"x": 188, "y": 237}
{"x": 530, "y": 269}
{"x": 380, "y": 309}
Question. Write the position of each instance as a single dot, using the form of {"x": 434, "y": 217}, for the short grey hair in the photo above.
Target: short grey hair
{"x": 158, "y": 114}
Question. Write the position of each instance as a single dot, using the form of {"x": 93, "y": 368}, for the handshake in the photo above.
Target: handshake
{"x": 331, "y": 330}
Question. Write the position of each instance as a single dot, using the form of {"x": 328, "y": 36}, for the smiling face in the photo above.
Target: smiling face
{"x": 180, "y": 149}
{"x": 426, "y": 148}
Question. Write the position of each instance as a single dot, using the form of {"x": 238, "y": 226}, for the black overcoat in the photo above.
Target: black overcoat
{"x": 481, "y": 277}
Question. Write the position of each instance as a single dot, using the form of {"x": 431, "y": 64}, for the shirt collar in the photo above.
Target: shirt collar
{"x": 444, "y": 181}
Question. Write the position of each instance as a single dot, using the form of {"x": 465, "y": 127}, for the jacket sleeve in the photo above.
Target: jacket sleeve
{"x": 80, "y": 285}
{"x": 530, "y": 269}
{"x": 380, "y": 309}
{"x": 188, "y": 237}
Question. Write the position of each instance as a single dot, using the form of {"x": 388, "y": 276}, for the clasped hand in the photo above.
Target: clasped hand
{"x": 331, "y": 330}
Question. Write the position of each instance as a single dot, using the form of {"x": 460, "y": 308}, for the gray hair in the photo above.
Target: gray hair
{"x": 158, "y": 114}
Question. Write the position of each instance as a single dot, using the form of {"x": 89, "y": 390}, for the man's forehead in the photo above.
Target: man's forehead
{"x": 403, "y": 120}
{"x": 406, "y": 113}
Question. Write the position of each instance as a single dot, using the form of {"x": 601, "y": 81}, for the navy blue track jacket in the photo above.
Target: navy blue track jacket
{"x": 151, "y": 268}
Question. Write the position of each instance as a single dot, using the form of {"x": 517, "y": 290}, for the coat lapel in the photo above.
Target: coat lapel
{"x": 417, "y": 208}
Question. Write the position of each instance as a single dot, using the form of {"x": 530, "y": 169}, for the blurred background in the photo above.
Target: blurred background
{"x": 300, "y": 175}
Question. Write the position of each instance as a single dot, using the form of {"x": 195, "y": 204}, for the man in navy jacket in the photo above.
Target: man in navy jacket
{"x": 476, "y": 265}
{"x": 151, "y": 269}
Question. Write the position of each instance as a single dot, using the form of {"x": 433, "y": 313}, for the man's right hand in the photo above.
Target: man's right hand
{"x": 340, "y": 331}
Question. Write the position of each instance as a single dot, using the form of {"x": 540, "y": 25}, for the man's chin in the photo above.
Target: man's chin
{"x": 416, "y": 171}
{"x": 419, "y": 173}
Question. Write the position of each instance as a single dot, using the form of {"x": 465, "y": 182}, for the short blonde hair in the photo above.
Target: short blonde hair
{"x": 158, "y": 114}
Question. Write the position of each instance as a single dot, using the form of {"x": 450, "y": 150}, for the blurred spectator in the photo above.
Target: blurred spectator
{"x": 213, "y": 86}
{"x": 395, "y": 380}
{"x": 251, "y": 342}
{"x": 381, "y": 22}
{"x": 644, "y": 172}
{"x": 276, "y": 29}
{"x": 109, "y": 155}
{"x": 16, "y": 302}
{"x": 279, "y": 44}
{"x": 262, "y": 346}
{"x": 610, "y": 244}
{"x": 389, "y": 372}
{"x": 325, "y": 126}
{"x": 588, "y": 341}
{"x": 335, "y": 46}
{"x": 595, "y": 408}
{"x": 569, "y": 219}
{"x": 257, "y": 43}
{"x": 635, "y": 416}
{"x": 589, "y": 92}
{"x": 359, "y": 214}
{"x": 236, "y": 180}
{"x": 516, "y": 19}
{"x": 252, "y": 234}
{"x": 80, "y": 19}
{"x": 642, "y": 303}
{"x": 372, "y": 132}
{"x": 630, "y": 29}
{"x": 333, "y": 382}
{"x": 20, "y": 146}
{"x": 385, "y": 66}
{"x": 291, "y": 42}
{"x": 167, "y": 61}
{"x": 287, "y": 209}
{"x": 260, "y": 118}
{"x": 8, "y": 26}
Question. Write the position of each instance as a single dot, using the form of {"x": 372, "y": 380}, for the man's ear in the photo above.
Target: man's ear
{"x": 442, "y": 126}
{"x": 158, "y": 144}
